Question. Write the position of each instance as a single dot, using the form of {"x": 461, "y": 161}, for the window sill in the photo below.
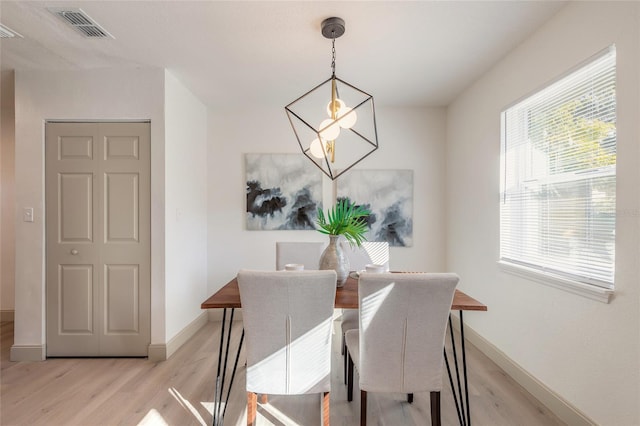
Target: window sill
{"x": 592, "y": 292}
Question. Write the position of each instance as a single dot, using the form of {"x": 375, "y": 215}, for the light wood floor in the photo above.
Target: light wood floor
{"x": 179, "y": 391}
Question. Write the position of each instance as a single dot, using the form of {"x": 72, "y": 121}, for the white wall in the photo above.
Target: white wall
{"x": 7, "y": 194}
{"x": 185, "y": 205}
{"x": 81, "y": 95}
{"x": 584, "y": 350}
{"x": 409, "y": 138}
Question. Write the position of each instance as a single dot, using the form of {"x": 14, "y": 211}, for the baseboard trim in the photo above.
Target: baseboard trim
{"x": 7, "y": 315}
{"x": 554, "y": 402}
{"x": 28, "y": 353}
{"x": 157, "y": 352}
{"x": 163, "y": 351}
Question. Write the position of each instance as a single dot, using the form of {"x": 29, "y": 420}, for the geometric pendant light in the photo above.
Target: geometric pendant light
{"x": 335, "y": 122}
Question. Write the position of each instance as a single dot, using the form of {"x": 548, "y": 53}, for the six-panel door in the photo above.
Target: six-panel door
{"x": 98, "y": 239}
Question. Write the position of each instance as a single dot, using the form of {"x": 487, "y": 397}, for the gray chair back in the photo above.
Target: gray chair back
{"x": 403, "y": 319}
{"x": 306, "y": 253}
{"x": 287, "y": 319}
{"x": 371, "y": 252}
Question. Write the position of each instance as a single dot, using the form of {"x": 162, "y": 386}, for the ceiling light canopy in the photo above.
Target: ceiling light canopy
{"x": 335, "y": 122}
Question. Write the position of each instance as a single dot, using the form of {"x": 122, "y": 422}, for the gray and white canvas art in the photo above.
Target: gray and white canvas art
{"x": 284, "y": 191}
{"x": 388, "y": 194}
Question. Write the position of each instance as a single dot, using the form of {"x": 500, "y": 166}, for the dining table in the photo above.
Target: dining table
{"x": 227, "y": 298}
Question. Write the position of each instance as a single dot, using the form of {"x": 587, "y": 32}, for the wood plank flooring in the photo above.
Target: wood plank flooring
{"x": 179, "y": 391}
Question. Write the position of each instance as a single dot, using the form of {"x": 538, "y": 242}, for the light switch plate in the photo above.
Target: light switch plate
{"x": 27, "y": 214}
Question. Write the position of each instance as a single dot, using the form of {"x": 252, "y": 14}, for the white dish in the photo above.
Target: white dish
{"x": 375, "y": 269}
{"x": 356, "y": 274}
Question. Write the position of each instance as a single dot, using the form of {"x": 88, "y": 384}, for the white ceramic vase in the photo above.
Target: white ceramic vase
{"x": 334, "y": 258}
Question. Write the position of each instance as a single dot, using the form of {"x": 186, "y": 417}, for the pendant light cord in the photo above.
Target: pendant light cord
{"x": 333, "y": 56}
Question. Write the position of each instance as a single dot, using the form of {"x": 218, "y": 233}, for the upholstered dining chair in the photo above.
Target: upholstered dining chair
{"x": 288, "y": 317}
{"x": 400, "y": 343}
{"x": 371, "y": 252}
{"x": 305, "y": 253}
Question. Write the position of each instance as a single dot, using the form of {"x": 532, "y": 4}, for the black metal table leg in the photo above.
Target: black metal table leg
{"x": 461, "y": 400}
{"x": 218, "y": 416}
{"x": 233, "y": 374}
{"x": 464, "y": 369}
{"x": 455, "y": 396}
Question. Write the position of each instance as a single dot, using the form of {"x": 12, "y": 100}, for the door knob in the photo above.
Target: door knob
{"x": 74, "y": 252}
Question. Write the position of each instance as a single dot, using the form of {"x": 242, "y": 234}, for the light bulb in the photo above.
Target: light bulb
{"x": 347, "y": 117}
{"x": 338, "y": 103}
{"x": 317, "y": 148}
{"x": 332, "y": 129}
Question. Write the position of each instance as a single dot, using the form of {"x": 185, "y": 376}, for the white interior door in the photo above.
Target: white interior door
{"x": 98, "y": 239}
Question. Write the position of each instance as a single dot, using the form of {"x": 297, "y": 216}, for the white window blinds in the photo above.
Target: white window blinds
{"x": 558, "y": 177}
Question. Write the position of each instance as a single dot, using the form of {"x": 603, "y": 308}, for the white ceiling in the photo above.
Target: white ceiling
{"x": 239, "y": 53}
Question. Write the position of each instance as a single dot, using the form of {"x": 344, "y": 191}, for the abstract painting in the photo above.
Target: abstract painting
{"x": 284, "y": 191}
{"x": 388, "y": 194}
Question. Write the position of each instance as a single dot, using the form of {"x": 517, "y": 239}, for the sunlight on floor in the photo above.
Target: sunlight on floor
{"x": 186, "y": 405}
{"x": 208, "y": 406}
{"x": 153, "y": 418}
{"x": 273, "y": 415}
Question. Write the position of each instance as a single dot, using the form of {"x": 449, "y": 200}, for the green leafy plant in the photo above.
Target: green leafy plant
{"x": 345, "y": 218}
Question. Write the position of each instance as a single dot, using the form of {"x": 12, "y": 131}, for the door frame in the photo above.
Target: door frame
{"x": 148, "y": 224}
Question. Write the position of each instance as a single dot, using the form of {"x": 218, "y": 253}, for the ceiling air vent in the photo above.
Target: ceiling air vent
{"x": 81, "y": 22}
{"x": 6, "y": 32}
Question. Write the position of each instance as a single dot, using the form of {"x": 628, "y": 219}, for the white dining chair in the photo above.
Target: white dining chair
{"x": 305, "y": 253}
{"x": 399, "y": 345}
{"x": 370, "y": 252}
{"x": 288, "y": 317}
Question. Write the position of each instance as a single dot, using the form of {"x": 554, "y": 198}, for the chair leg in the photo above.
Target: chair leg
{"x": 252, "y": 402}
{"x": 363, "y": 408}
{"x": 325, "y": 409}
{"x": 345, "y": 356}
{"x": 350, "y": 379}
{"x": 435, "y": 409}
{"x": 264, "y": 398}
{"x": 410, "y": 398}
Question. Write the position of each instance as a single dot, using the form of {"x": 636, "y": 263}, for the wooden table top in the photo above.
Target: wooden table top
{"x": 346, "y": 297}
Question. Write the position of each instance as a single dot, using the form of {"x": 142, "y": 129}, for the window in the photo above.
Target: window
{"x": 558, "y": 177}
